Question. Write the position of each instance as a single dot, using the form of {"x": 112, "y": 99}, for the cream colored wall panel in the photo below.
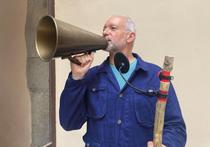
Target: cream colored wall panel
{"x": 15, "y": 129}
{"x": 178, "y": 28}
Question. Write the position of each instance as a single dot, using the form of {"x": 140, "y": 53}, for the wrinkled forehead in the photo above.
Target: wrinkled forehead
{"x": 116, "y": 21}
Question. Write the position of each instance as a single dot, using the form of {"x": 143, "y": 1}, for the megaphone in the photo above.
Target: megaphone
{"x": 55, "y": 38}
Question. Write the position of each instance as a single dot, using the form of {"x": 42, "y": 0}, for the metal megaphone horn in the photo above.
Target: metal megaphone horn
{"x": 55, "y": 38}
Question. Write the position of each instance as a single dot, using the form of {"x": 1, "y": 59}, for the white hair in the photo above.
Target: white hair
{"x": 130, "y": 25}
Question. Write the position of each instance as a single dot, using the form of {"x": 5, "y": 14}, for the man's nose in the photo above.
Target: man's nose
{"x": 106, "y": 32}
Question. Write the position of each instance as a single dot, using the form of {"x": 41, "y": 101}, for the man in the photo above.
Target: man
{"x": 116, "y": 114}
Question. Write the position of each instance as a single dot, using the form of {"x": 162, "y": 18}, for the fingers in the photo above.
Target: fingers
{"x": 85, "y": 59}
{"x": 150, "y": 144}
{"x": 78, "y": 71}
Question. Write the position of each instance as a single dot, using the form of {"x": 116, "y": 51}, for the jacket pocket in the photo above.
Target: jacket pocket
{"x": 144, "y": 110}
{"x": 96, "y": 102}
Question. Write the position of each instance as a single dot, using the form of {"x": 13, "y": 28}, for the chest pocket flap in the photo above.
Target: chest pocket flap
{"x": 96, "y": 102}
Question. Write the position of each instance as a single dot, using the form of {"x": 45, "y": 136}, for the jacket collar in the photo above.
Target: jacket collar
{"x": 141, "y": 65}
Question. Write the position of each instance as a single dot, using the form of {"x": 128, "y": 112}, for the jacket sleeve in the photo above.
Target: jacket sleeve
{"x": 72, "y": 111}
{"x": 174, "y": 133}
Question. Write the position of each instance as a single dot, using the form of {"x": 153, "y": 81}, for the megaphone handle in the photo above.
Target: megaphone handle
{"x": 74, "y": 60}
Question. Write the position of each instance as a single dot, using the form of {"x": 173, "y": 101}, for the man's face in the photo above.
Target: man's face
{"x": 115, "y": 33}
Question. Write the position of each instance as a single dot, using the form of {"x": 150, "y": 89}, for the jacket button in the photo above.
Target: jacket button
{"x": 93, "y": 89}
{"x": 119, "y": 121}
{"x": 88, "y": 144}
{"x": 120, "y": 95}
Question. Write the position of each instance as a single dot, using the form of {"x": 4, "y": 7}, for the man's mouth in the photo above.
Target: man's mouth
{"x": 109, "y": 40}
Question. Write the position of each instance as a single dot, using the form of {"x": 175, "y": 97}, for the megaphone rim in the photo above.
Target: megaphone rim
{"x": 51, "y": 55}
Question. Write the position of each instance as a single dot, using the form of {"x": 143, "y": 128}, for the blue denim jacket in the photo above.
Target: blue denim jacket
{"x": 119, "y": 118}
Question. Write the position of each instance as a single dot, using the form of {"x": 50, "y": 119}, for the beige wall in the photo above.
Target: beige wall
{"x": 14, "y": 96}
{"x": 179, "y": 28}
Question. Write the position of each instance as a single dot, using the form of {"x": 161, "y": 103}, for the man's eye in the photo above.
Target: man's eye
{"x": 114, "y": 28}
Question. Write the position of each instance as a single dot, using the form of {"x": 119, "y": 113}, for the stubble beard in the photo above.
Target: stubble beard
{"x": 114, "y": 47}
{"x": 111, "y": 46}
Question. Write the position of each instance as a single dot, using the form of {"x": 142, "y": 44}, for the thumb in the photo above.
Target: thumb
{"x": 150, "y": 144}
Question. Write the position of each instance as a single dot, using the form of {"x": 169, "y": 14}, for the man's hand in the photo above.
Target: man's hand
{"x": 150, "y": 144}
{"x": 79, "y": 71}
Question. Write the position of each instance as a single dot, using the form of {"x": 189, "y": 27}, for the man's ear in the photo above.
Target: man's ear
{"x": 131, "y": 37}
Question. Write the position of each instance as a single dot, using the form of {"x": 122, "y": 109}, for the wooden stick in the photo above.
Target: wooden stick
{"x": 162, "y": 100}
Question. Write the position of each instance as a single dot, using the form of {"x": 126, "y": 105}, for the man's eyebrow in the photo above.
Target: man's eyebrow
{"x": 110, "y": 25}
{"x": 113, "y": 25}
